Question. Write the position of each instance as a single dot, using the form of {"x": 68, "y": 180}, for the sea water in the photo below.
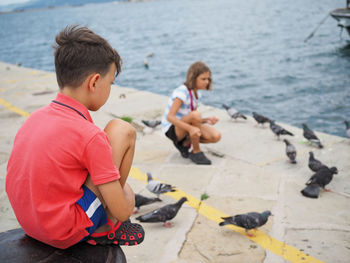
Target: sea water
{"x": 255, "y": 49}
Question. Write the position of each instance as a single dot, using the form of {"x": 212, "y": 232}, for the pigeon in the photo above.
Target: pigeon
{"x": 151, "y": 123}
{"x": 233, "y": 113}
{"x": 145, "y": 63}
{"x": 278, "y": 130}
{"x": 311, "y": 136}
{"x": 141, "y": 200}
{"x": 290, "y": 151}
{"x": 163, "y": 214}
{"x": 260, "y": 118}
{"x": 157, "y": 187}
{"x": 315, "y": 164}
{"x": 248, "y": 221}
{"x": 311, "y": 190}
{"x": 322, "y": 177}
{"x": 347, "y": 124}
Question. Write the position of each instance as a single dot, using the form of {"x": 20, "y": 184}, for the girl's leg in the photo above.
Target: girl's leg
{"x": 193, "y": 118}
{"x": 209, "y": 134}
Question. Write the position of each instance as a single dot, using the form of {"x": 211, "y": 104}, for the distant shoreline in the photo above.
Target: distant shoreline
{"x": 37, "y": 9}
{"x": 64, "y": 6}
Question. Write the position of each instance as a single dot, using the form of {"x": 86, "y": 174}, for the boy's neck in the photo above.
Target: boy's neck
{"x": 76, "y": 94}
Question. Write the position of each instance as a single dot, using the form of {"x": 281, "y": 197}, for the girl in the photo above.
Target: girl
{"x": 182, "y": 123}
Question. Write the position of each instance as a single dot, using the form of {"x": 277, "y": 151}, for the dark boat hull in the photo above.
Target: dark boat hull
{"x": 342, "y": 15}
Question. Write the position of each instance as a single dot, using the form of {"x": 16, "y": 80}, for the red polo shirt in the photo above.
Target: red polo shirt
{"x": 52, "y": 154}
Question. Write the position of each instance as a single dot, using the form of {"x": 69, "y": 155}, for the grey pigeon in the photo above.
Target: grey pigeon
{"x": 347, "y": 124}
{"x": 248, "y": 221}
{"x": 145, "y": 63}
{"x": 314, "y": 164}
{"x": 234, "y": 114}
{"x": 291, "y": 152}
{"x": 141, "y": 200}
{"x": 311, "y": 191}
{"x": 322, "y": 177}
{"x": 278, "y": 130}
{"x": 151, "y": 123}
{"x": 311, "y": 136}
{"x": 163, "y": 214}
{"x": 157, "y": 187}
{"x": 260, "y": 119}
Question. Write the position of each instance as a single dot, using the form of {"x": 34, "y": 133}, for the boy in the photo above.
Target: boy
{"x": 66, "y": 178}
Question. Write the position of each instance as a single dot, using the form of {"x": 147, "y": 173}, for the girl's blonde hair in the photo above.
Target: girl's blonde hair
{"x": 194, "y": 71}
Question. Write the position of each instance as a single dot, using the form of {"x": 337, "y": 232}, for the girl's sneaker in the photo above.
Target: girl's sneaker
{"x": 199, "y": 158}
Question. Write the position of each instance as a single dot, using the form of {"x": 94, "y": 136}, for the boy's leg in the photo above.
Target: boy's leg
{"x": 122, "y": 137}
{"x": 106, "y": 229}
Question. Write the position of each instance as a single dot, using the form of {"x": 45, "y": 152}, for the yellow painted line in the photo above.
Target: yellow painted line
{"x": 11, "y": 81}
{"x": 13, "y": 108}
{"x": 282, "y": 249}
{"x": 34, "y": 72}
{"x": 279, "y": 248}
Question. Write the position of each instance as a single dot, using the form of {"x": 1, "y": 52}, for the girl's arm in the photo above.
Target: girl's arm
{"x": 177, "y": 122}
{"x": 210, "y": 120}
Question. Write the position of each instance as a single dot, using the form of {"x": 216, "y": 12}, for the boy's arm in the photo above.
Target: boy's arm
{"x": 119, "y": 201}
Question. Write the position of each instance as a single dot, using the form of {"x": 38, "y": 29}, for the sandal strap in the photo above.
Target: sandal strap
{"x": 110, "y": 233}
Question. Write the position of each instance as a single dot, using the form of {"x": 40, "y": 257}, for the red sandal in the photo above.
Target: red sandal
{"x": 123, "y": 234}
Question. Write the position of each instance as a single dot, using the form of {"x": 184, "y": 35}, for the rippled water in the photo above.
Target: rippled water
{"x": 256, "y": 51}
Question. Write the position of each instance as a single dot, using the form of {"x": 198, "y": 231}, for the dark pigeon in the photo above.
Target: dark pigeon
{"x": 248, "y": 221}
{"x": 163, "y": 214}
{"x": 157, "y": 187}
{"x": 151, "y": 123}
{"x": 141, "y": 200}
{"x": 311, "y": 136}
{"x": 278, "y": 130}
{"x": 291, "y": 152}
{"x": 311, "y": 191}
{"x": 314, "y": 164}
{"x": 347, "y": 124}
{"x": 260, "y": 119}
{"x": 322, "y": 177}
{"x": 234, "y": 114}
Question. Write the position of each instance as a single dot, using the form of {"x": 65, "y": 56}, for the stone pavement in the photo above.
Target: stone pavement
{"x": 250, "y": 172}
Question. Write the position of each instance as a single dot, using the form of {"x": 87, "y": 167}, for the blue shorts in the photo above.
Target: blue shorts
{"x": 93, "y": 209}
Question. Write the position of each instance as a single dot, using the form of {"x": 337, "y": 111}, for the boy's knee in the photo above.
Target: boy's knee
{"x": 122, "y": 128}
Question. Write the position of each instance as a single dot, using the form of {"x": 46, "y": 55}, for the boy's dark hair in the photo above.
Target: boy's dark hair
{"x": 194, "y": 71}
{"x": 80, "y": 52}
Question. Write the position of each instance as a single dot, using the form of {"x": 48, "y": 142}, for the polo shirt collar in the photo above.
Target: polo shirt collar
{"x": 74, "y": 104}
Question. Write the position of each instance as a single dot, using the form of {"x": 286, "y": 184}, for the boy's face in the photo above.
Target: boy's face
{"x": 103, "y": 88}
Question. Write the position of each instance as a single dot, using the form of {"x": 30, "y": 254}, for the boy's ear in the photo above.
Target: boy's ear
{"x": 92, "y": 82}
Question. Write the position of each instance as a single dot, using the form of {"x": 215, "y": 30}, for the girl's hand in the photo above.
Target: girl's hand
{"x": 195, "y": 132}
{"x": 212, "y": 120}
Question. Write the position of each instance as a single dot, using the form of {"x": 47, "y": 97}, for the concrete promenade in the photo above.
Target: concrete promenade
{"x": 250, "y": 172}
